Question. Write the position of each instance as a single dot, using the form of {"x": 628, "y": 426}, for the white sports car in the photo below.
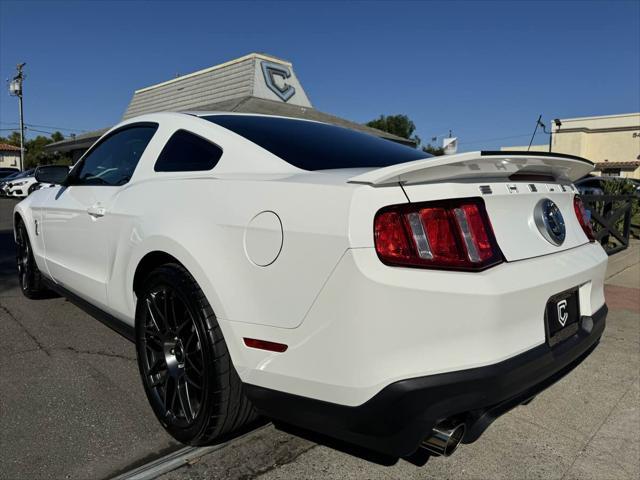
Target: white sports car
{"x": 322, "y": 277}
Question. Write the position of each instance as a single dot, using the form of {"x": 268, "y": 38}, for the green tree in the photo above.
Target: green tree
{"x": 34, "y": 149}
{"x": 399, "y": 125}
{"x": 12, "y": 139}
{"x": 57, "y": 137}
{"x": 433, "y": 150}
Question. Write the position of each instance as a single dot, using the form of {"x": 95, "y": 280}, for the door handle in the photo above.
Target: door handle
{"x": 96, "y": 211}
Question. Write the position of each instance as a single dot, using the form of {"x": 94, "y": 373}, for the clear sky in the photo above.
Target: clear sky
{"x": 486, "y": 70}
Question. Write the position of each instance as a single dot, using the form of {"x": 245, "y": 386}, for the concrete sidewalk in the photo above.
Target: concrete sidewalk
{"x": 585, "y": 426}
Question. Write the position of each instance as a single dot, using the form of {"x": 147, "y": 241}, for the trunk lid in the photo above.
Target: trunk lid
{"x": 513, "y": 187}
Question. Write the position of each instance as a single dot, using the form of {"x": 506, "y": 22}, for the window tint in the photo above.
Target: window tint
{"x": 113, "y": 160}
{"x": 186, "y": 152}
{"x": 317, "y": 146}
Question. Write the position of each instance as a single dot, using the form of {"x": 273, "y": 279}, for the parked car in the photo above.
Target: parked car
{"x": 15, "y": 182}
{"x": 590, "y": 185}
{"x": 21, "y": 187}
{"x": 5, "y": 180}
{"x": 594, "y": 185}
{"x": 321, "y": 277}
{"x": 25, "y": 184}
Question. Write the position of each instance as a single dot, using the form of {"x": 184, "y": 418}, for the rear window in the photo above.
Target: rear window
{"x": 317, "y": 146}
{"x": 186, "y": 152}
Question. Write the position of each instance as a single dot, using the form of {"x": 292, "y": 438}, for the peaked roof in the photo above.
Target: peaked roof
{"x": 256, "y": 74}
{"x": 79, "y": 142}
{"x": 5, "y": 147}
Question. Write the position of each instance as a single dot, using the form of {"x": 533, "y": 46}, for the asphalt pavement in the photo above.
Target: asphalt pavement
{"x": 71, "y": 401}
{"x": 72, "y": 406}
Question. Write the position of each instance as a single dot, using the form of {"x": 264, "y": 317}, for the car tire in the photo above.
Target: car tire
{"x": 185, "y": 366}
{"x": 29, "y": 275}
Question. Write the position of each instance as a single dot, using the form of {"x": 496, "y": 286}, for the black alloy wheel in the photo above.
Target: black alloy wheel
{"x": 28, "y": 274}
{"x": 172, "y": 360}
{"x": 184, "y": 363}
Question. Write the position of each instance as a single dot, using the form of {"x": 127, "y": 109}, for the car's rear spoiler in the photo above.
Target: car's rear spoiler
{"x": 485, "y": 165}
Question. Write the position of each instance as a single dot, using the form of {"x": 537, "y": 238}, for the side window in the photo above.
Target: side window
{"x": 113, "y": 160}
{"x": 186, "y": 152}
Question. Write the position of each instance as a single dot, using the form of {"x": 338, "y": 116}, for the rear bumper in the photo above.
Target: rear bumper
{"x": 396, "y": 419}
{"x": 374, "y": 325}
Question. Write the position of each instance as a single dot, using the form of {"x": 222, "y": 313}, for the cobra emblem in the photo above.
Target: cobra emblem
{"x": 550, "y": 221}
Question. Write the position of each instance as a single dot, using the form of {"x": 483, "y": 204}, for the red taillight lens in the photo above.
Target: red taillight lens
{"x": 583, "y": 218}
{"x": 389, "y": 229}
{"x": 440, "y": 234}
{"x": 479, "y": 241}
{"x": 448, "y": 235}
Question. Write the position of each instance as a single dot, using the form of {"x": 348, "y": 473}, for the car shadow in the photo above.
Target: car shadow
{"x": 8, "y": 271}
{"x": 419, "y": 458}
{"x": 8, "y": 274}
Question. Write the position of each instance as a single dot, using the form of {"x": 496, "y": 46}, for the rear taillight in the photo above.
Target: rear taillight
{"x": 455, "y": 235}
{"x": 583, "y": 218}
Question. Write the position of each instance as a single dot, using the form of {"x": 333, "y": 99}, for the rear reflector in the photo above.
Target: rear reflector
{"x": 454, "y": 235}
{"x": 583, "y": 218}
{"x": 265, "y": 345}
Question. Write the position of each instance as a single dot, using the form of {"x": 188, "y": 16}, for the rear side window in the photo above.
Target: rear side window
{"x": 186, "y": 152}
{"x": 317, "y": 146}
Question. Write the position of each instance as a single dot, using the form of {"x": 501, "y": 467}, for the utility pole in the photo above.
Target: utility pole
{"x": 15, "y": 89}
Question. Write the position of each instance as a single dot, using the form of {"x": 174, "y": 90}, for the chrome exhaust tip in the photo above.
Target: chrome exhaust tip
{"x": 444, "y": 439}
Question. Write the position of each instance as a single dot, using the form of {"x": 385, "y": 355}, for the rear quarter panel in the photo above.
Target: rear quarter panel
{"x": 202, "y": 222}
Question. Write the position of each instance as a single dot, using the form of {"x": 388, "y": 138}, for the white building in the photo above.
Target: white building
{"x": 612, "y": 142}
{"x": 9, "y": 156}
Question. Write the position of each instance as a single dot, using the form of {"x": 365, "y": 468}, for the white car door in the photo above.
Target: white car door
{"x": 76, "y": 225}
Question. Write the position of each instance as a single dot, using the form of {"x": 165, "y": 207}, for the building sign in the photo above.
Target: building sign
{"x": 450, "y": 145}
{"x": 275, "y": 76}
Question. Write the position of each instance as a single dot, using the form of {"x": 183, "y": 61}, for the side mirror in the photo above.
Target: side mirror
{"x": 52, "y": 174}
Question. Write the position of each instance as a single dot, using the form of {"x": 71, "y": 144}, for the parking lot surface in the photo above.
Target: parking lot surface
{"x": 71, "y": 406}
{"x": 71, "y": 402}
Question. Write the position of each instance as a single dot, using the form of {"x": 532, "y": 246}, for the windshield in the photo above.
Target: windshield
{"x": 317, "y": 146}
{"x": 13, "y": 175}
{"x": 27, "y": 173}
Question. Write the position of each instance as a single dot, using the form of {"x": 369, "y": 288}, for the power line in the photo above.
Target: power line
{"x": 29, "y": 129}
{"x": 39, "y": 131}
{"x": 58, "y": 128}
{"x": 47, "y": 126}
